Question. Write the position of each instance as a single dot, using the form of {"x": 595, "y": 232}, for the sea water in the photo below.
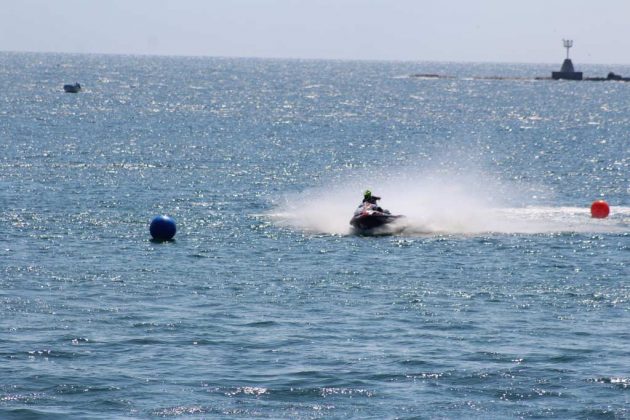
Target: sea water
{"x": 497, "y": 296}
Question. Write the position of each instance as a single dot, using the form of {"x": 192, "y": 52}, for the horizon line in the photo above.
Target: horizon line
{"x": 379, "y": 60}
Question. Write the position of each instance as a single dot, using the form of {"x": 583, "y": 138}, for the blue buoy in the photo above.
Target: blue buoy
{"x": 163, "y": 228}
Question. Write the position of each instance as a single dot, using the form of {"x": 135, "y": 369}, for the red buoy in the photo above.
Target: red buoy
{"x": 600, "y": 209}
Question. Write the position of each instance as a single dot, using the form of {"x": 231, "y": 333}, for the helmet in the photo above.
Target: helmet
{"x": 367, "y": 194}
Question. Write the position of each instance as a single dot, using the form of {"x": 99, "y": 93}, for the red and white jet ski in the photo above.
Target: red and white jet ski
{"x": 368, "y": 217}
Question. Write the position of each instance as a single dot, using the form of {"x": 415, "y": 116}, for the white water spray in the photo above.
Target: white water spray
{"x": 439, "y": 202}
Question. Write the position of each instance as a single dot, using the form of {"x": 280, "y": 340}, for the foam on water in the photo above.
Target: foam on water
{"x": 442, "y": 202}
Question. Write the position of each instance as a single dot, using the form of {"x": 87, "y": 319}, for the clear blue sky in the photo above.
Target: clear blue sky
{"x": 418, "y": 30}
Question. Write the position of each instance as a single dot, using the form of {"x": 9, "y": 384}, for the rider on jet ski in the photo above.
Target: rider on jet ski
{"x": 372, "y": 199}
{"x": 369, "y": 198}
{"x": 369, "y": 215}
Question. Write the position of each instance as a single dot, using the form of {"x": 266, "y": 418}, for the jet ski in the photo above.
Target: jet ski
{"x": 368, "y": 217}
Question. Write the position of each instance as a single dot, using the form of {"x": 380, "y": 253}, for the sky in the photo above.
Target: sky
{"x": 525, "y": 31}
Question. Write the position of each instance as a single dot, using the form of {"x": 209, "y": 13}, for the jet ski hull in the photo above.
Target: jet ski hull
{"x": 367, "y": 221}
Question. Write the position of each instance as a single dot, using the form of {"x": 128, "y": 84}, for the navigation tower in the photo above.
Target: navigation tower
{"x": 567, "y": 71}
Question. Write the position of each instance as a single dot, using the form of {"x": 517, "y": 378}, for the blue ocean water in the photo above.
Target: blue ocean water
{"x": 498, "y": 296}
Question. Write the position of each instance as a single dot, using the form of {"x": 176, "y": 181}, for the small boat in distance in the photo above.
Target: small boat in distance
{"x": 72, "y": 88}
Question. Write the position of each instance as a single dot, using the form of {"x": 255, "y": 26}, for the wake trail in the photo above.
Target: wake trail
{"x": 471, "y": 204}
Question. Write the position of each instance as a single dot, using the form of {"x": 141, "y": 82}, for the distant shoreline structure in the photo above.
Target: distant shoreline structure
{"x": 567, "y": 72}
{"x": 610, "y": 77}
